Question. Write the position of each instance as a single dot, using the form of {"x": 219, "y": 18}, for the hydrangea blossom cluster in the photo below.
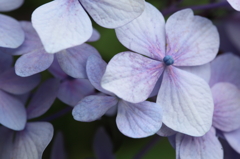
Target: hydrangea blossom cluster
{"x": 171, "y": 82}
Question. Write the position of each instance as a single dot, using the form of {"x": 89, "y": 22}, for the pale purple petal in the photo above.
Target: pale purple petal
{"x": 146, "y": 34}
{"x": 93, "y": 107}
{"x": 95, "y": 36}
{"x": 186, "y": 101}
{"x": 6, "y": 144}
{"x": 226, "y": 68}
{"x": 205, "y": 147}
{"x": 6, "y": 61}
{"x": 23, "y": 97}
{"x": 95, "y": 68}
{"x": 235, "y": 4}
{"x": 56, "y": 70}
{"x": 66, "y": 25}
{"x": 131, "y": 76}
{"x": 73, "y": 60}
{"x": 58, "y": 148}
{"x": 112, "y": 111}
{"x": 32, "y": 63}
{"x": 203, "y": 71}
{"x": 11, "y": 33}
{"x": 166, "y": 131}
{"x": 112, "y": 14}
{"x": 12, "y": 112}
{"x": 43, "y": 99}
{"x": 191, "y": 40}
{"x": 32, "y": 141}
{"x": 72, "y": 91}
{"x": 12, "y": 83}
{"x": 226, "y": 98}
{"x": 102, "y": 145}
{"x": 233, "y": 139}
{"x": 139, "y": 120}
{"x": 8, "y": 5}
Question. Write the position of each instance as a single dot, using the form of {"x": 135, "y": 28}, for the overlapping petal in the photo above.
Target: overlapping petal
{"x": 146, "y": 34}
{"x": 166, "y": 131}
{"x": 11, "y": 33}
{"x": 58, "y": 148}
{"x": 186, "y": 101}
{"x": 225, "y": 68}
{"x": 235, "y": 4}
{"x": 12, "y": 83}
{"x": 6, "y": 61}
{"x": 56, "y": 70}
{"x": 233, "y": 139}
{"x": 12, "y": 112}
{"x": 72, "y": 91}
{"x": 95, "y": 36}
{"x": 73, "y": 60}
{"x": 32, "y": 63}
{"x": 131, "y": 76}
{"x": 66, "y": 25}
{"x": 139, "y": 120}
{"x": 112, "y": 14}
{"x": 205, "y": 147}
{"x": 93, "y": 107}
{"x": 43, "y": 98}
{"x": 191, "y": 40}
{"x": 8, "y": 5}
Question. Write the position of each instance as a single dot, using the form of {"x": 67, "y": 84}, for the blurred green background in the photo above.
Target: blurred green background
{"x": 78, "y": 136}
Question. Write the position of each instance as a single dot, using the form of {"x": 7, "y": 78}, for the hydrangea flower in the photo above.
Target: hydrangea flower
{"x": 235, "y": 4}
{"x": 68, "y": 25}
{"x": 35, "y": 59}
{"x": 34, "y": 138}
{"x": 9, "y": 5}
{"x": 13, "y": 114}
{"x": 135, "y": 120}
{"x": 185, "y": 40}
{"x": 71, "y": 90}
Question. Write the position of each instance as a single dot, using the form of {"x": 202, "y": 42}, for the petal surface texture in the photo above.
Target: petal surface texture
{"x": 14, "y": 84}
{"x": 73, "y": 60}
{"x": 235, "y": 4}
{"x": 139, "y": 120}
{"x": 146, "y": 34}
{"x": 191, "y": 40}
{"x": 8, "y": 5}
{"x": 131, "y": 76}
{"x": 12, "y": 112}
{"x": 66, "y": 25}
{"x": 205, "y": 147}
{"x": 11, "y": 33}
{"x": 43, "y": 98}
{"x": 112, "y": 14}
{"x": 93, "y": 107}
{"x": 186, "y": 101}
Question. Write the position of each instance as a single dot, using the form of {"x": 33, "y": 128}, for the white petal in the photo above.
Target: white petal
{"x": 235, "y": 4}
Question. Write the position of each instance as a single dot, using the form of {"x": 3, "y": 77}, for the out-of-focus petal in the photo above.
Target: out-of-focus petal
{"x": 233, "y": 139}
{"x": 56, "y": 70}
{"x": 73, "y": 60}
{"x": 66, "y": 25}
{"x": 58, "y": 148}
{"x": 139, "y": 120}
{"x": 72, "y": 91}
{"x": 32, "y": 141}
{"x": 112, "y": 14}
{"x": 6, "y": 61}
{"x": 235, "y": 4}
{"x": 225, "y": 68}
{"x": 203, "y": 71}
{"x": 146, "y": 34}
{"x": 11, "y": 32}
{"x": 12, "y": 112}
{"x": 6, "y": 144}
{"x": 131, "y": 76}
{"x": 95, "y": 68}
{"x": 8, "y": 5}
{"x": 32, "y": 63}
{"x": 95, "y": 36}
{"x": 12, "y": 83}
{"x": 226, "y": 98}
{"x": 191, "y": 40}
{"x": 93, "y": 107}
{"x": 166, "y": 131}
{"x": 43, "y": 98}
{"x": 205, "y": 147}
{"x": 186, "y": 101}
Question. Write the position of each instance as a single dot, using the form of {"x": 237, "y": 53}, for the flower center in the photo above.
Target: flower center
{"x": 168, "y": 60}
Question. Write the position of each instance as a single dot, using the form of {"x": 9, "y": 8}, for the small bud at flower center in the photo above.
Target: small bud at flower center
{"x": 168, "y": 60}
